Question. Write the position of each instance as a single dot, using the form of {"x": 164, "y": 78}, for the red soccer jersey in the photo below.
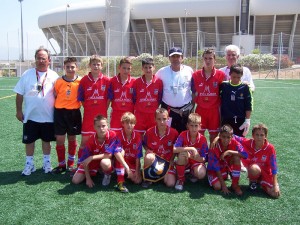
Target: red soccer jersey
{"x": 121, "y": 95}
{"x": 265, "y": 157}
{"x": 133, "y": 148}
{"x": 161, "y": 146}
{"x": 110, "y": 145}
{"x": 147, "y": 96}
{"x": 184, "y": 140}
{"x": 214, "y": 155}
{"x": 207, "y": 90}
{"x": 94, "y": 94}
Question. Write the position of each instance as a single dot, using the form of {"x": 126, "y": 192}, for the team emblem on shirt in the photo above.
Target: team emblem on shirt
{"x": 215, "y": 84}
{"x": 103, "y": 87}
{"x": 134, "y": 146}
{"x": 263, "y": 158}
{"x": 169, "y": 143}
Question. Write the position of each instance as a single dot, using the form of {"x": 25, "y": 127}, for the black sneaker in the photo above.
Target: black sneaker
{"x": 58, "y": 170}
{"x": 122, "y": 188}
{"x": 253, "y": 186}
{"x": 146, "y": 184}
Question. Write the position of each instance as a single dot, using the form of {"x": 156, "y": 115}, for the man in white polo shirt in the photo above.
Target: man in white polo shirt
{"x": 177, "y": 95}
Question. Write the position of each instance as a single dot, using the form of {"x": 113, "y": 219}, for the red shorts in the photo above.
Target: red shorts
{"x": 115, "y": 119}
{"x": 144, "y": 121}
{"x": 192, "y": 164}
{"x": 88, "y": 121}
{"x": 213, "y": 178}
{"x": 210, "y": 119}
{"x": 94, "y": 167}
{"x": 265, "y": 179}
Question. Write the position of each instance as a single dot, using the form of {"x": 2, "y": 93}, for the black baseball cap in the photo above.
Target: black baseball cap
{"x": 175, "y": 51}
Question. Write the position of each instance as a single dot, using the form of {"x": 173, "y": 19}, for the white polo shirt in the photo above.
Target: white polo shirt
{"x": 176, "y": 85}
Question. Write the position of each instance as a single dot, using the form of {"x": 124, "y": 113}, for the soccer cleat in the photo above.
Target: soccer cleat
{"x": 253, "y": 186}
{"x": 106, "y": 180}
{"x": 59, "y": 170}
{"x": 146, "y": 184}
{"x": 236, "y": 188}
{"x": 47, "y": 167}
{"x": 122, "y": 188}
{"x": 179, "y": 185}
{"x": 28, "y": 169}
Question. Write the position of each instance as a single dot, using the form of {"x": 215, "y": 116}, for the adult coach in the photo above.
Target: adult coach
{"x": 35, "y": 89}
{"x": 177, "y": 95}
{"x": 232, "y": 54}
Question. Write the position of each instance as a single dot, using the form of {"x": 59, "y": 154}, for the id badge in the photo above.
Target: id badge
{"x": 175, "y": 89}
{"x": 232, "y": 98}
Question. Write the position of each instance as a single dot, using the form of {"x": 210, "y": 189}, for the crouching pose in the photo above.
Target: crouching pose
{"x": 261, "y": 162}
{"x": 224, "y": 159}
{"x": 159, "y": 157}
{"x": 192, "y": 149}
{"x": 97, "y": 155}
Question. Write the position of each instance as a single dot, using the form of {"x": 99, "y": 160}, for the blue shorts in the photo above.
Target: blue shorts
{"x": 33, "y": 131}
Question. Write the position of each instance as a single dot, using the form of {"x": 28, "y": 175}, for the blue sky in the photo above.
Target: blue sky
{"x": 10, "y": 23}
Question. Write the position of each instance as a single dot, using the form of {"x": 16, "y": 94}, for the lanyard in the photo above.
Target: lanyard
{"x": 40, "y": 86}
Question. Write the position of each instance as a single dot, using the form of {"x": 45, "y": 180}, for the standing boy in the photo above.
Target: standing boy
{"x": 232, "y": 54}
{"x": 67, "y": 115}
{"x": 93, "y": 93}
{"x": 236, "y": 102}
{"x": 159, "y": 157}
{"x": 205, "y": 85}
{"x": 224, "y": 159}
{"x": 35, "y": 89}
{"x": 98, "y": 154}
{"x": 121, "y": 94}
{"x": 191, "y": 147}
{"x": 131, "y": 144}
{"x": 147, "y": 91}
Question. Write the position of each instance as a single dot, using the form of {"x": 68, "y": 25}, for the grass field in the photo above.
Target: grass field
{"x": 51, "y": 199}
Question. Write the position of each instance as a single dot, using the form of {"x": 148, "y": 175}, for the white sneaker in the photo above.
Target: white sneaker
{"x": 179, "y": 185}
{"x": 244, "y": 169}
{"x": 193, "y": 179}
{"x": 47, "y": 167}
{"x": 106, "y": 180}
{"x": 29, "y": 168}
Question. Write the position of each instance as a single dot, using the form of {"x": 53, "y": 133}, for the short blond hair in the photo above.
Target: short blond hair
{"x": 160, "y": 111}
{"x": 194, "y": 118}
{"x": 128, "y": 117}
{"x": 96, "y": 58}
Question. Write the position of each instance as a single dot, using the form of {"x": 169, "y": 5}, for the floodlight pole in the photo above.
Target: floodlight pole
{"x": 22, "y": 45}
{"x": 67, "y": 36}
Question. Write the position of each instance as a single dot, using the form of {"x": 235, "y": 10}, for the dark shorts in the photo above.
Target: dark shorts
{"x": 33, "y": 131}
{"x": 67, "y": 121}
{"x": 235, "y": 124}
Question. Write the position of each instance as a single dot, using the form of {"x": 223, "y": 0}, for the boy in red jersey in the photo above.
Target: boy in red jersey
{"x": 121, "y": 94}
{"x": 131, "y": 143}
{"x": 147, "y": 91}
{"x": 67, "y": 115}
{"x": 192, "y": 149}
{"x": 159, "y": 157}
{"x": 224, "y": 158}
{"x": 261, "y": 162}
{"x": 93, "y": 93}
{"x": 205, "y": 87}
{"x": 98, "y": 154}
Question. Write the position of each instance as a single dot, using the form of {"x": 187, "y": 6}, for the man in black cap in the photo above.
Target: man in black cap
{"x": 177, "y": 95}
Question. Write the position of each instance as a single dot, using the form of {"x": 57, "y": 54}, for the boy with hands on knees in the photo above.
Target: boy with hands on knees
{"x": 192, "y": 149}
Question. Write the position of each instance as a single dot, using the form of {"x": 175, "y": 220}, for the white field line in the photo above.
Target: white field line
{"x": 9, "y": 96}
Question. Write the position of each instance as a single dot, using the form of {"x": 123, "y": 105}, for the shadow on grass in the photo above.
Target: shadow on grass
{"x": 13, "y": 177}
{"x": 73, "y": 188}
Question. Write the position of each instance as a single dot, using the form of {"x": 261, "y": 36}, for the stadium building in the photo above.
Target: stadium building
{"x": 132, "y": 27}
